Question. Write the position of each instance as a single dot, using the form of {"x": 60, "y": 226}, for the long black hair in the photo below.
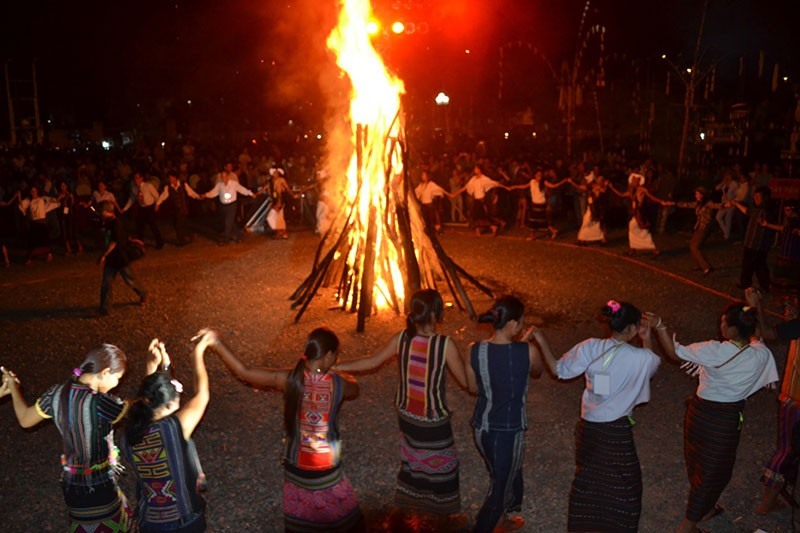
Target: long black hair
{"x": 743, "y": 318}
{"x": 504, "y": 309}
{"x": 156, "y": 390}
{"x": 104, "y": 356}
{"x": 424, "y": 304}
{"x": 620, "y": 315}
{"x": 319, "y": 343}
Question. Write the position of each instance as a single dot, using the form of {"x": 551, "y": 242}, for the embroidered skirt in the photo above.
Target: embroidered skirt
{"x": 97, "y": 509}
{"x": 428, "y": 477}
{"x": 710, "y": 439}
{"x": 319, "y": 501}
{"x": 606, "y": 494}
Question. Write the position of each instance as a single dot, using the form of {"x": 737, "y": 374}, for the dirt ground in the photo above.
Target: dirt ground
{"x": 47, "y": 324}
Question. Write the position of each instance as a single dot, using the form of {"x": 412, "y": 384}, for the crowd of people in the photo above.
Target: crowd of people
{"x": 606, "y": 493}
{"x": 50, "y": 200}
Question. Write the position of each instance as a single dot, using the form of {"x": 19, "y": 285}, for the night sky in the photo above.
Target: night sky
{"x": 108, "y": 60}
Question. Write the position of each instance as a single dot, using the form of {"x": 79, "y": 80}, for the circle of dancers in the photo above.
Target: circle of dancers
{"x": 606, "y": 491}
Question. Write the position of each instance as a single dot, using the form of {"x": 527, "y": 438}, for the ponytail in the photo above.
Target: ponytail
{"x": 504, "y": 309}
{"x": 426, "y": 306}
{"x": 156, "y": 390}
{"x": 319, "y": 343}
{"x": 97, "y": 360}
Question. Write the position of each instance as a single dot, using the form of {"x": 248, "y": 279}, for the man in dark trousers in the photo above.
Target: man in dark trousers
{"x": 176, "y": 195}
{"x": 116, "y": 258}
{"x": 143, "y": 199}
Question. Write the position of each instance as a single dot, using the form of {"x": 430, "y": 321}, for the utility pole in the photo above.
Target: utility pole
{"x": 25, "y": 93}
{"x": 691, "y": 84}
{"x": 11, "y": 120}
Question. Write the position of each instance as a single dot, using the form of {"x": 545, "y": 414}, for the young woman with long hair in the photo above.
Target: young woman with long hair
{"x": 85, "y": 415}
{"x": 427, "y": 434}
{"x": 317, "y": 496}
{"x": 728, "y": 373}
{"x": 157, "y": 443}
{"x": 498, "y": 373}
{"x": 606, "y": 493}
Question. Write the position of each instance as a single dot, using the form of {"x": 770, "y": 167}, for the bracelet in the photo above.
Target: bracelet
{"x": 659, "y": 323}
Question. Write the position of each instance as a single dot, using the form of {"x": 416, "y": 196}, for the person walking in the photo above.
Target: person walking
{"x": 117, "y": 257}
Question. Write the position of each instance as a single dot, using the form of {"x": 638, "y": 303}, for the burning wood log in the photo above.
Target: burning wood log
{"x": 379, "y": 245}
{"x": 377, "y": 250}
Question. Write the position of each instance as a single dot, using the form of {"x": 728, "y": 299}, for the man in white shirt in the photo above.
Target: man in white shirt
{"x": 176, "y": 194}
{"x": 227, "y": 190}
{"x": 429, "y": 193}
{"x": 143, "y": 198}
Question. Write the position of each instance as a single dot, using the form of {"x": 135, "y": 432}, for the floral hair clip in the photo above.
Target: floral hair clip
{"x": 614, "y": 305}
{"x": 178, "y": 385}
{"x": 77, "y": 372}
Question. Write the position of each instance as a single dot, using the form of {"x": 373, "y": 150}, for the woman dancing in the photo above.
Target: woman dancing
{"x": 498, "y": 373}
{"x": 157, "y": 442}
{"x": 593, "y": 224}
{"x": 704, "y": 210}
{"x": 427, "y": 435}
{"x": 84, "y": 414}
{"x": 606, "y": 492}
{"x": 539, "y": 219}
{"x": 317, "y": 496}
{"x": 639, "y": 237}
{"x": 729, "y": 372}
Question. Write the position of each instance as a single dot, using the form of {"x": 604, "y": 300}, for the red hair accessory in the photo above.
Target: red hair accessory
{"x": 614, "y": 305}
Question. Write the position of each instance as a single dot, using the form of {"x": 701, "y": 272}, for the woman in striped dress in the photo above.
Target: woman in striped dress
{"x": 84, "y": 414}
{"x": 606, "y": 493}
{"x": 317, "y": 496}
{"x": 728, "y": 373}
{"x": 428, "y": 477}
{"x": 498, "y": 373}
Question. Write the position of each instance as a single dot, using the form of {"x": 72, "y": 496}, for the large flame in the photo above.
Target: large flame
{"x": 373, "y": 172}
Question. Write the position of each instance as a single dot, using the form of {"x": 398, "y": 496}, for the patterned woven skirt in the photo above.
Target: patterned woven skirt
{"x": 103, "y": 510}
{"x": 788, "y": 417}
{"x": 710, "y": 438}
{"x": 606, "y": 494}
{"x": 319, "y": 501}
{"x": 428, "y": 477}
{"x": 537, "y": 217}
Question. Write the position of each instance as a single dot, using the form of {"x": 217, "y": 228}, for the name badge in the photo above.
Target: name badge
{"x": 601, "y": 384}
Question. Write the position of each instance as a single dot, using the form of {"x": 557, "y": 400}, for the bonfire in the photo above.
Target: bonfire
{"x": 378, "y": 250}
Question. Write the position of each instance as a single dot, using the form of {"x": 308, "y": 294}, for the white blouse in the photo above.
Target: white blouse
{"x": 735, "y": 380}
